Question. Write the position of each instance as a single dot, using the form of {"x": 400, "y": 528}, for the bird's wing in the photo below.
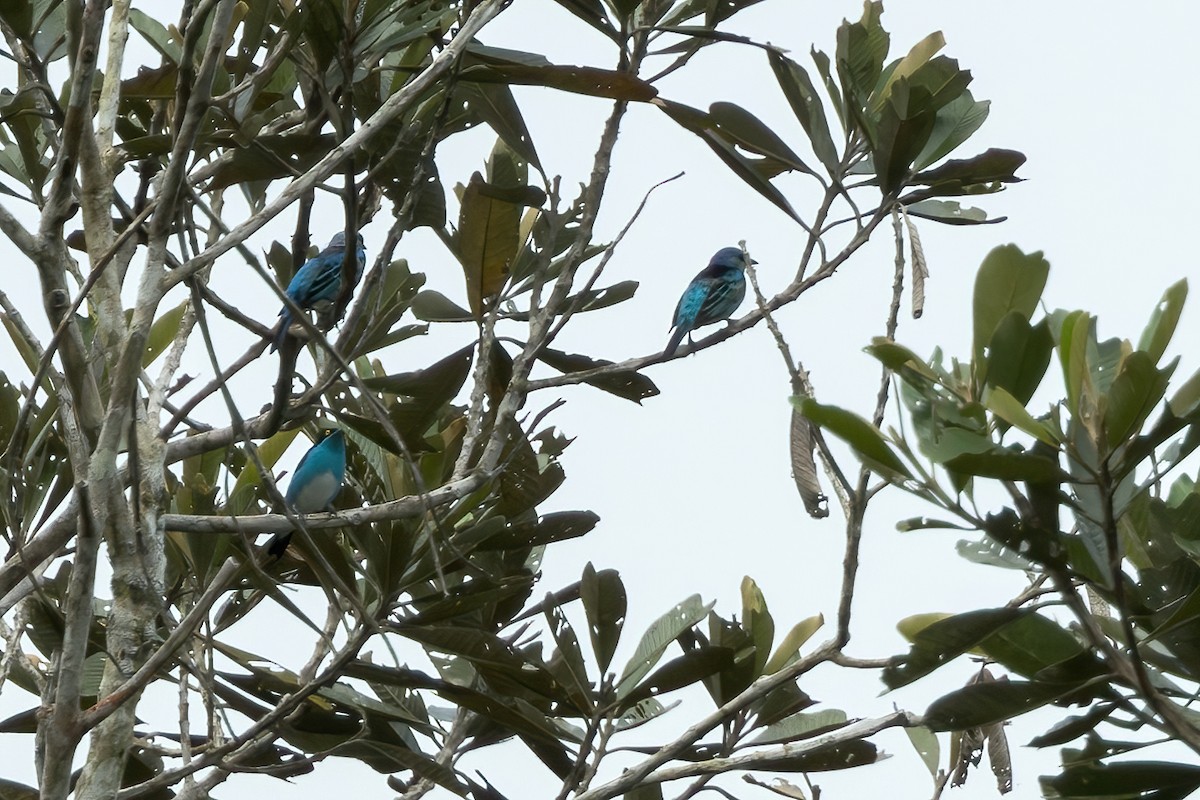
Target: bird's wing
{"x": 318, "y": 279}
{"x": 692, "y": 302}
{"x": 718, "y": 292}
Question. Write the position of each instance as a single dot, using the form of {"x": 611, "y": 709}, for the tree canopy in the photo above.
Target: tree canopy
{"x": 132, "y": 189}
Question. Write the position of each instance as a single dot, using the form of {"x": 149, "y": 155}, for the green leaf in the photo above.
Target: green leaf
{"x": 806, "y": 105}
{"x": 604, "y": 603}
{"x": 248, "y": 482}
{"x": 750, "y": 133}
{"x": 494, "y": 104}
{"x": 861, "y": 48}
{"x": 386, "y": 757}
{"x": 432, "y": 306}
{"x": 1186, "y": 398}
{"x": 989, "y": 552}
{"x": 568, "y": 78}
{"x": 956, "y": 122}
{"x": 691, "y": 667}
{"x": 994, "y": 164}
{"x": 709, "y": 132}
{"x": 489, "y": 224}
{"x": 788, "y": 649}
{"x": 840, "y": 755}
{"x": 897, "y": 357}
{"x": 945, "y": 639}
{"x": 1008, "y": 281}
{"x": 156, "y": 34}
{"x": 557, "y": 526}
{"x": 629, "y": 385}
{"x": 1134, "y": 393}
{"x": 1031, "y": 644}
{"x": 591, "y": 12}
{"x": 925, "y": 742}
{"x": 1074, "y": 338}
{"x": 1163, "y": 321}
{"x": 1017, "y": 356}
{"x": 162, "y": 333}
{"x": 982, "y": 704}
{"x": 271, "y": 156}
{"x": 801, "y": 726}
{"x": 865, "y": 439}
{"x": 951, "y": 212}
{"x": 1009, "y": 409}
{"x": 647, "y": 791}
{"x": 568, "y": 664}
{"x": 1008, "y": 465}
{"x": 917, "y": 57}
{"x": 1071, "y": 728}
{"x": 657, "y": 638}
{"x": 12, "y": 790}
{"x": 758, "y": 623}
{"x": 927, "y": 524}
{"x": 1122, "y": 780}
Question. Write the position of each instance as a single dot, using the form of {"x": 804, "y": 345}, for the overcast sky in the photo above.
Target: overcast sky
{"x": 693, "y": 488}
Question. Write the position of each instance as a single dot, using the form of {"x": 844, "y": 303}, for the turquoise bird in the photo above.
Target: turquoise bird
{"x": 316, "y": 483}
{"x": 317, "y": 283}
{"x": 713, "y": 295}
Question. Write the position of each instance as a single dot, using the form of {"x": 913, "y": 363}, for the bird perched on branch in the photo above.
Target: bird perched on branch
{"x": 316, "y": 284}
{"x": 713, "y": 295}
{"x": 315, "y": 484}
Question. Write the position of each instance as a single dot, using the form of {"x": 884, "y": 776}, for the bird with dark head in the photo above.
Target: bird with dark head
{"x": 317, "y": 283}
{"x": 315, "y": 484}
{"x": 713, "y": 295}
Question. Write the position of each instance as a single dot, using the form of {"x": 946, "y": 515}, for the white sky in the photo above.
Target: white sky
{"x": 693, "y": 488}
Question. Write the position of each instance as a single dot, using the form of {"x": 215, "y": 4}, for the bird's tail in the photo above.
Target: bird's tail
{"x": 285, "y": 322}
{"x": 676, "y": 337}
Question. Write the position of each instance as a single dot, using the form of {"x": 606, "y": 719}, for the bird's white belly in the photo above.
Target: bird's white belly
{"x": 318, "y": 494}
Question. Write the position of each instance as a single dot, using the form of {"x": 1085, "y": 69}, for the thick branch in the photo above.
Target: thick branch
{"x": 403, "y": 508}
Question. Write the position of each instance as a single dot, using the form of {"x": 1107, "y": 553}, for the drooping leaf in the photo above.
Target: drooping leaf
{"x": 750, "y": 133}
{"x": 604, "y": 602}
{"x": 951, "y": 212}
{"x": 710, "y": 133}
{"x": 807, "y": 106}
{"x": 862, "y": 436}
{"x": 629, "y": 385}
{"x": 568, "y": 78}
{"x": 163, "y": 332}
{"x": 802, "y": 445}
{"x": 925, "y": 742}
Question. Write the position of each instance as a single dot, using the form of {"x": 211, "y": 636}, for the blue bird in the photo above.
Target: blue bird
{"x": 316, "y": 284}
{"x": 713, "y": 295}
{"x": 315, "y": 484}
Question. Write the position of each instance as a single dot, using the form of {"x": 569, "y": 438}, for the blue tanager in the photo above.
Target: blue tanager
{"x": 315, "y": 484}
{"x": 713, "y": 295}
{"x": 316, "y": 284}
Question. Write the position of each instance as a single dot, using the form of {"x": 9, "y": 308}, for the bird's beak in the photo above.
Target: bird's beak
{"x": 752, "y": 262}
